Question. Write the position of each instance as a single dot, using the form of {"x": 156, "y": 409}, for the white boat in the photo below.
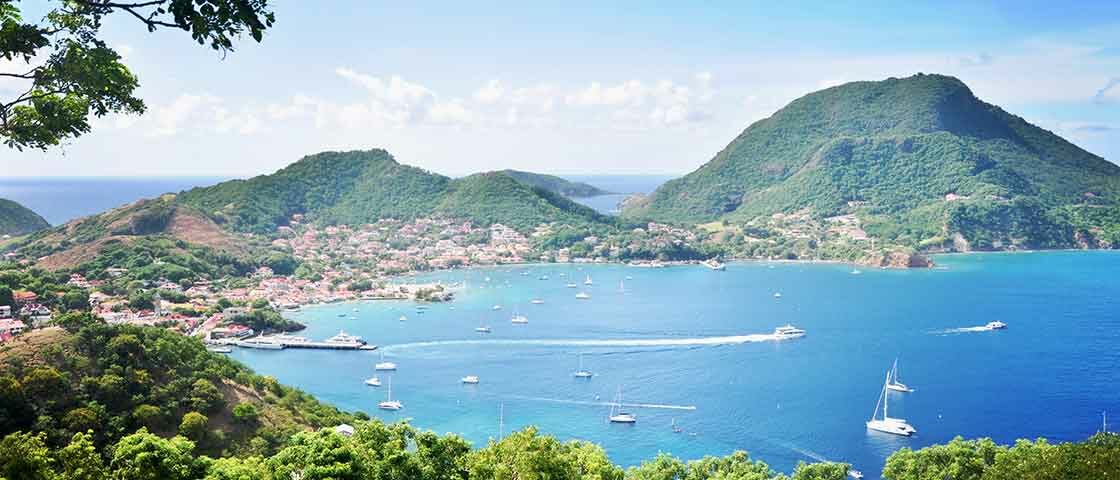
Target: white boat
{"x": 583, "y": 296}
{"x": 588, "y": 281}
{"x": 777, "y": 295}
{"x": 354, "y": 309}
{"x": 857, "y": 272}
{"x": 582, "y": 372}
{"x": 345, "y": 338}
{"x": 403, "y": 318}
{"x": 995, "y": 325}
{"x": 482, "y": 329}
{"x": 519, "y": 319}
{"x": 219, "y": 349}
{"x": 262, "y": 343}
{"x": 470, "y": 379}
{"x": 617, "y": 414}
{"x": 788, "y": 331}
{"x": 496, "y": 307}
{"x": 714, "y": 264}
{"x": 286, "y": 339}
{"x": 383, "y": 365}
{"x": 389, "y": 403}
{"x": 893, "y": 383}
{"x": 571, "y": 285}
{"x": 543, "y": 277}
{"x": 676, "y": 428}
{"x": 373, "y": 381}
{"x": 893, "y": 426}
{"x": 536, "y": 301}
{"x": 856, "y": 474}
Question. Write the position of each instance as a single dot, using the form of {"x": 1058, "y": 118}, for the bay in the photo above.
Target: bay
{"x": 1050, "y": 374}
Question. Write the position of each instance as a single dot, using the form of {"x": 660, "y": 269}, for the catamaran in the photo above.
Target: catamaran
{"x": 389, "y": 403}
{"x": 617, "y": 414}
{"x": 894, "y": 426}
{"x": 892, "y": 380}
{"x": 582, "y": 372}
{"x": 383, "y": 365}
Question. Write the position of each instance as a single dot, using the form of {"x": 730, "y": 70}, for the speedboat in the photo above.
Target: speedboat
{"x": 856, "y": 474}
{"x": 496, "y": 307}
{"x": 995, "y": 325}
{"x": 519, "y": 319}
{"x": 373, "y": 381}
{"x": 788, "y": 331}
{"x": 470, "y": 380}
{"x": 583, "y": 296}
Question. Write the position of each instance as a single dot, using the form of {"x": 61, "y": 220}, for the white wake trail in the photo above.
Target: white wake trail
{"x": 950, "y": 331}
{"x": 621, "y": 342}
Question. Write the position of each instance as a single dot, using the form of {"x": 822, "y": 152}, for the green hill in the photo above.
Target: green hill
{"x": 16, "y": 219}
{"x": 555, "y": 184}
{"x": 920, "y": 160}
{"x": 363, "y": 186}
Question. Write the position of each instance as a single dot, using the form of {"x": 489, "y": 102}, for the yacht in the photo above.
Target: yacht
{"x": 389, "y": 403}
{"x": 588, "y": 281}
{"x": 995, "y": 325}
{"x": 582, "y": 372}
{"x": 219, "y": 349}
{"x": 571, "y": 285}
{"x": 470, "y": 380}
{"x": 286, "y": 339}
{"x": 519, "y": 319}
{"x": 617, "y": 414}
{"x": 263, "y": 343}
{"x": 344, "y": 337}
{"x": 583, "y": 296}
{"x": 536, "y": 301}
{"x": 777, "y": 295}
{"x": 894, "y": 426}
{"x": 893, "y": 383}
{"x": 496, "y": 307}
{"x": 383, "y": 365}
{"x": 482, "y": 329}
{"x": 373, "y": 381}
{"x": 788, "y": 331}
{"x": 403, "y": 318}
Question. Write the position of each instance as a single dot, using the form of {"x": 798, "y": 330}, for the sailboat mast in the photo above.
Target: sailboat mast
{"x": 885, "y": 401}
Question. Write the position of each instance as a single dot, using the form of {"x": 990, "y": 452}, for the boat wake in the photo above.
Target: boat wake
{"x": 954, "y": 331}
{"x": 604, "y": 404}
{"x": 621, "y": 342}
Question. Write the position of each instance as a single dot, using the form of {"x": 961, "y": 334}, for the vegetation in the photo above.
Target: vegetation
{"x": 66, "y": 72}
{"x": 113, "y": 380}
{"x": 364, "y": 186}
{"x": 921, "y": 157}
{"x": 555, "y": 184}
{"x": 16, "y": 219}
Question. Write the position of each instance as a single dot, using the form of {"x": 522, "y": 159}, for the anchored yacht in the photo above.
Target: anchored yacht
{"x": 617, "y": 414}
{"x": 582, "y": 372}
{"x": 389, "y": 403}
{"x": 894, "y": 426}
{"x": 893, "y": 383}
{"x": 383, "y": 365}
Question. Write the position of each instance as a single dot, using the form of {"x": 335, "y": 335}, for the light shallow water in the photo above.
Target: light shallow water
{"x": 687, "y": 337}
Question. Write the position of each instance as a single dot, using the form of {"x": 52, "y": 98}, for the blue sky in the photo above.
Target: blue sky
{"x": 583, "y": 87}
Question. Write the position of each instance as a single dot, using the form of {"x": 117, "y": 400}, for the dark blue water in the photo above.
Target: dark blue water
{"x": 61, "y": 199}
{"x": 622, "y": 186}
{"x": 1051, "y": 373}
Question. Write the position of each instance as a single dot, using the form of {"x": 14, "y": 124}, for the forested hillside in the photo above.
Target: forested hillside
{"x": 921, "y": 158}
{"x": 556, "y": 184}
{"x": 16, "y": 219}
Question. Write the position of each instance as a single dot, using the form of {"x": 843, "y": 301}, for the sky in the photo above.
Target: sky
{"x": 569, "y": 87}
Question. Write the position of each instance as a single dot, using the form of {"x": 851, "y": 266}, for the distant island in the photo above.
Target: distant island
{"x": 556, "y": 184}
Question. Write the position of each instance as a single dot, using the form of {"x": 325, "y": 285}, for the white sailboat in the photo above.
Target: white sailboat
{"x": 894, "y": 426}
{"x": 518, "y": 318}
{"x": 588, "y": 281}
{"x": 383, "y": 365}
{"x": 389, "y": 403}
{"x": 892, "y": 380}
{"x": 617, "y": 414}
{"x": 582, "y": 372}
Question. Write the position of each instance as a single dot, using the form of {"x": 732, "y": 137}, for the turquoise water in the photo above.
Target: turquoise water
{"x": 1051, "y": 373}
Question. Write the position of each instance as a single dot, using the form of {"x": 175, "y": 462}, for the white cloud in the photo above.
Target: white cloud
{"x": 169, "y": 119}
{"x": 490, "y": 93}
{"x": 662, "y": 103}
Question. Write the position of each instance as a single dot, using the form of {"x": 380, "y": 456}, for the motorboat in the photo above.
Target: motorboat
{"x": 470, "y": 380}
{"x": 788, "y": 331}
{"x": 519, "y": 319}
{"x": 373, "y": 381}
{"x": 496, "y": 307}
{"x": 482, "y": 329}
{"x": 571, "y": 285}
{"x": 536, "y": 301}
{"x": 714, "y": 264}
{"x": 995, "y": 325}
{"x": 219, "y": 349}
{"x": 583, "y": 296}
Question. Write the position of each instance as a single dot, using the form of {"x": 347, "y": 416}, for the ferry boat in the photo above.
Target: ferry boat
{"x": 893, "y": 383}
{"x": 788, "y": 331}
{"x": 262, "y": 343}
{"x": 583, "y": 296}
{"x": 617, "y": 414}
{"x": 389, "y": 403}
{"x": 469, "y": 380}
{"x": 582, "y": 372}
{"x": 373, "y": 381}
{"x": 995, "y": 325}
{"x": 519, "y": 319}
{"x": 383, "y": 365}
{"x": 893, "y": 426}
{"x": 346, "y": 338}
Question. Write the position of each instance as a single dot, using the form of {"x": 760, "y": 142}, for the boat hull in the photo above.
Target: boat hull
{"x": 891, "y": 427}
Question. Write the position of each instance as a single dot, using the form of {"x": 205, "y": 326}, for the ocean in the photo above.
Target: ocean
{"x": 689, "y": 345}
{"x": 61, "y": 199}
